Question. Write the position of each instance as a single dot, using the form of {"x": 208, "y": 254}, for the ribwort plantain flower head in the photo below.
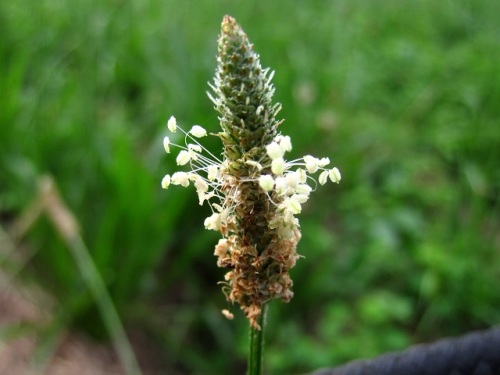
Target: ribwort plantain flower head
{"x": 254, "y": 192}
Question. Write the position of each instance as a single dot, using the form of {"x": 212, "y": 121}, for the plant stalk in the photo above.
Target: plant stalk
{"x": 66, "y": 224}
{"x": 256, "y": 352}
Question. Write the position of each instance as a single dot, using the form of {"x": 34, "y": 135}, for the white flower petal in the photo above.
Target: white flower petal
{"x": 198, "y": 131}
{"x": 266, "y": 182}
{"x": 172, "y": 124}
{"x": 335, "y": 175}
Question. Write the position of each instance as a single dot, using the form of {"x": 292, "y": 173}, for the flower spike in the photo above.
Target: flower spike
{"x": 254, "y": 192}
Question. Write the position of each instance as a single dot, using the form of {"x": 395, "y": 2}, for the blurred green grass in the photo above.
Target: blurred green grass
{"x": 402, "y": 96}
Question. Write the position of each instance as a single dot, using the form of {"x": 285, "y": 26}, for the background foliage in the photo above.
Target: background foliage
{"x": 402, "y": 96}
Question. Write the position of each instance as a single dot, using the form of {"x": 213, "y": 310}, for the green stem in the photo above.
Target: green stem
{"x": 66, "y": 225}
{"x": 104, "y": 303}
{"x": 256, "y": 353}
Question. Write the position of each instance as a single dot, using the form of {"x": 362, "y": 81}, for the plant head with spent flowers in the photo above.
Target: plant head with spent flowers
{"x": 254, "y": 192}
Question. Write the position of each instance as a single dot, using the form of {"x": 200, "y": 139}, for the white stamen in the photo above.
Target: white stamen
{"x": 194, "y": 147}
{"x": 323, "y": 162}
{"x": 285, "y": 143}
{"x": 165, "y": 182}
{"x": 274, "y": 151}
{"x": 323, "y": 177}
{"x": 213, "y": 222}
{"x": 301, "y": 175}
{"x": 254, "y": 164}
{"x": 303, "y": 189}
{"x": 166, "y": 144}
{"x": 198, "y": 131}
{"x": 213, "y": 171}
{"x": 312, "y": 163}
{"x": 335, "y": 175}
{"x": 293, "y": 205}
{"x": 180, "y": 178}
{"x": 184, "y": 157}
{"x": 266, "y": 182}
{"x": 278, "y": 166}
{"x": 172, "y": 124}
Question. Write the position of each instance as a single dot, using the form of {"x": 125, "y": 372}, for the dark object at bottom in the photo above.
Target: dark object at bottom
{"x": 476, "y": 353}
